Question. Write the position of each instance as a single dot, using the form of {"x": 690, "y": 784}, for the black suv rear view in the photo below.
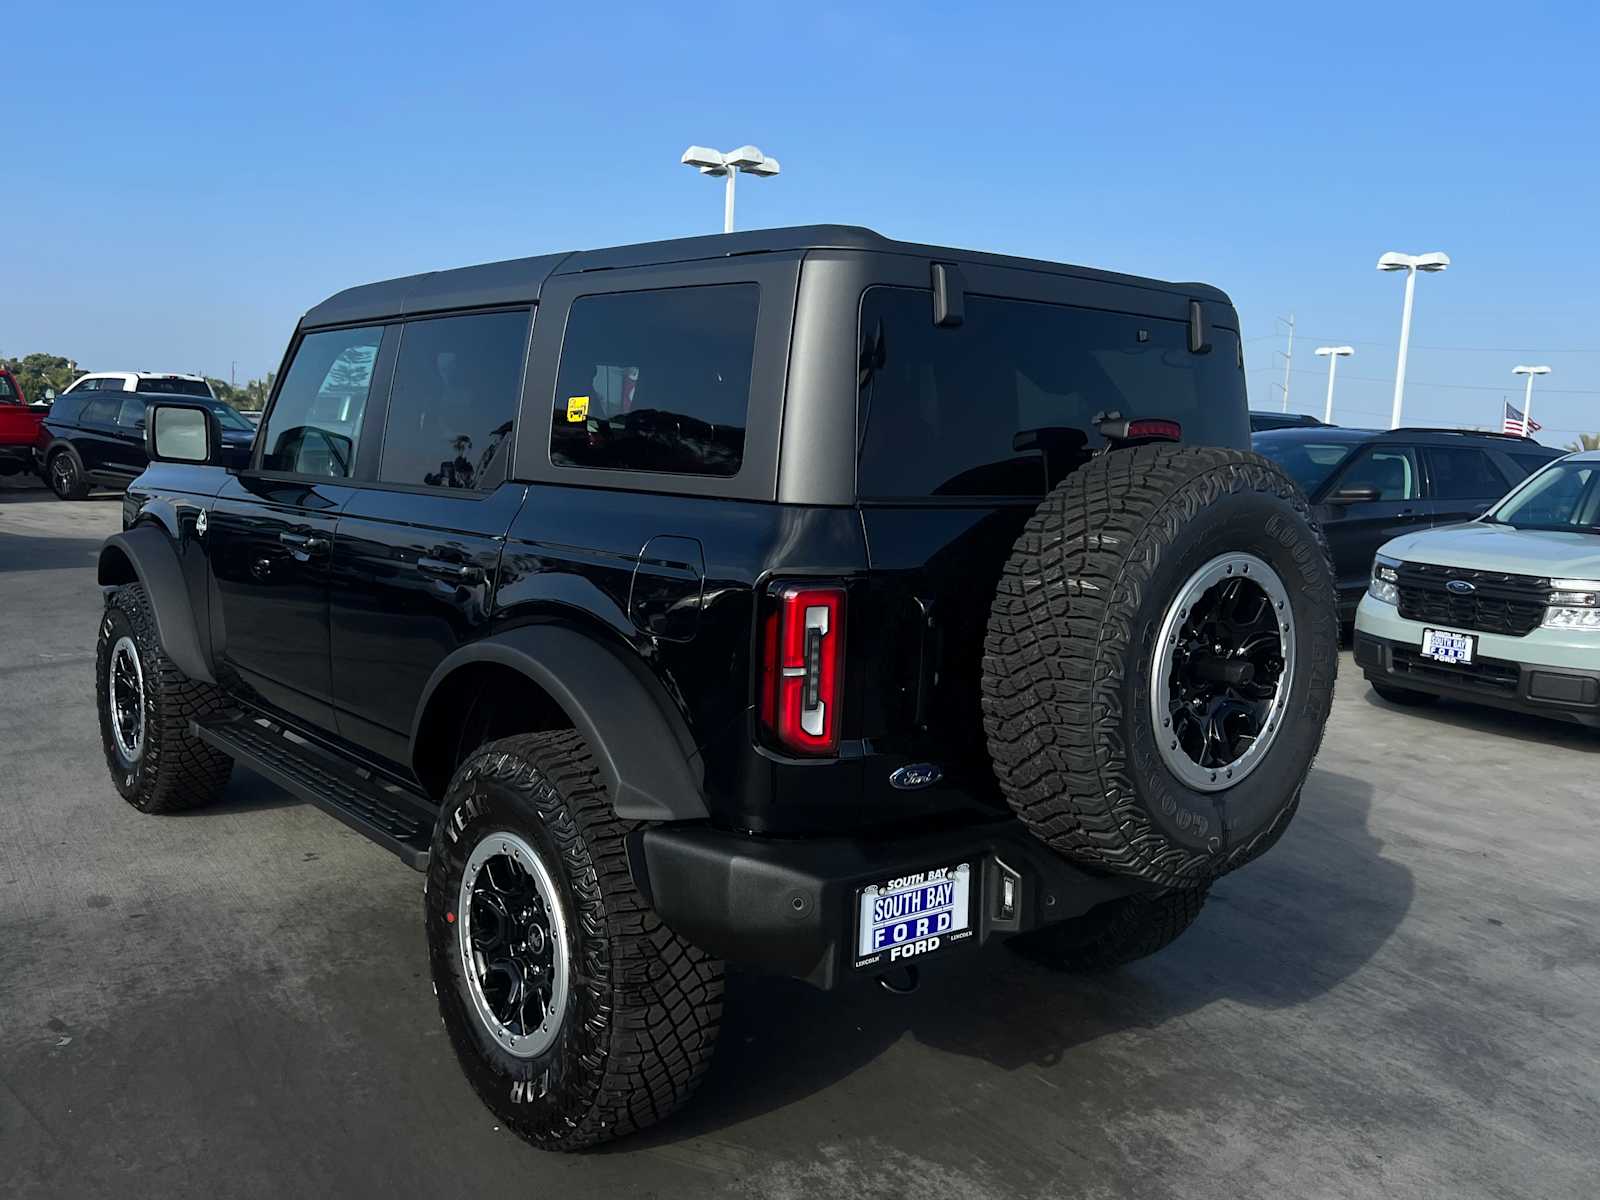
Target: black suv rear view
{"x": 802, "y": 600}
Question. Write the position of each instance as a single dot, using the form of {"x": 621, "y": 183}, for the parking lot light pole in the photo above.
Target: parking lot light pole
{"x": 1333, "y": 354}
{"x": 1527, "y": 396}
{"x": 1410, "y": 264}
{"x": 728, "y": 164}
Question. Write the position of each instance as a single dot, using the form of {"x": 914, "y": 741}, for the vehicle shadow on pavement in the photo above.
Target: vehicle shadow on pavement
{"x": 1278, "y": 934}
{"x": 246, "y": 792}
{"x": 1496, "y": 722}
{"x": 23, "y": 552}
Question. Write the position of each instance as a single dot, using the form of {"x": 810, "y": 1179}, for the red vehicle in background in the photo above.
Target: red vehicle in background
{"x": 20, "y": 426}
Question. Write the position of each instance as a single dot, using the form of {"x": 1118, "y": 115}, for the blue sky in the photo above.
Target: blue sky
{"x": 186, "y": 180}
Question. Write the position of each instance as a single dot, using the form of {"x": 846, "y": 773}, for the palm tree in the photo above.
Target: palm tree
{"x": 1586, "y": 441}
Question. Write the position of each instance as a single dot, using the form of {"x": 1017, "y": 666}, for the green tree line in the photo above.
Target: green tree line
{"x": 39, "y": 372}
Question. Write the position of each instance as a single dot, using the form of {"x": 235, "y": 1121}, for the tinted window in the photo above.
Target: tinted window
{"x": 1308, "y": 463}
{"x": 228, "y": 416}
{"x": 657, "y": 381}
{"x": 7, "y": 392}
{"x": 170, "y": 386}
{"x": 100, "y": 410}
{"x": 939, "y": 408}
{"x": 1462, "y": 473}
{"x": 131, "y": 414}
{"x": 317, "y": 416}
{"x": 456, "y": 385}
{"x": 1391, "y": 470}
{"x": 1531, "y": 462}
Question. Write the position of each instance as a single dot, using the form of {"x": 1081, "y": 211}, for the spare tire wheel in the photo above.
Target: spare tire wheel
{"x": 1160, "y": 662}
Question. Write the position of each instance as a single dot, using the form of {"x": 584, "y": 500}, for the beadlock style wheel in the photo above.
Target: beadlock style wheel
{"x": 1222, "y": 672}
{"x": 125, "y": 683}
{"x": 511, "y": 933}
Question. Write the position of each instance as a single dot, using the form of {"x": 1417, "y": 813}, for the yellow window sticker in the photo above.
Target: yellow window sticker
{"x": 577, "y": 408}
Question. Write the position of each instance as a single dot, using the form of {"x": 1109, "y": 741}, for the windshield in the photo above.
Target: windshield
{"x": 228, "y": 417}
{"x": 1309, "y": 463}
{"x": 1565, "y": 497}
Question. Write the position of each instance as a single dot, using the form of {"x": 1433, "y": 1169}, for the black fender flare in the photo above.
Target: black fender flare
{"x": 149, "y": 551}
{"x": 641, "y": 749}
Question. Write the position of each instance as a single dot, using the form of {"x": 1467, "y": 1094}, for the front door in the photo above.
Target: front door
{"x": 1378, "y": 496}
{"x": 126, "y": 454}
{"x": 270, "y": 536}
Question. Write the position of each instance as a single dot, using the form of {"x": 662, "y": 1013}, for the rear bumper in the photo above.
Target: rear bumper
{"x": 1509, "y": 673}
{"x": 15, "y": 459}
{"x": 787, "y": 906}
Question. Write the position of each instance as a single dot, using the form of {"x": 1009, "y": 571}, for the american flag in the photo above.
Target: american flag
{"x": 1514, "y": 422}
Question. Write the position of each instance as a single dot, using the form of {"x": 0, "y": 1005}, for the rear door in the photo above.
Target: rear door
{"x": 1463, "y": 481}
{"x": 944, "y": 491}
{"x": 126, "y": 454}
{"x": 95, "y": 436}
{"x": 417, "y": 547}
{"x": 271, "y": 531}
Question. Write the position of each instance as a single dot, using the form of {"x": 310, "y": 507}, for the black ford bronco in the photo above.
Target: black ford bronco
{"x": 800, "y": 600}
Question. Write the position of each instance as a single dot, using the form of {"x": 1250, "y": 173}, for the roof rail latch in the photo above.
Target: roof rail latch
{"x": 949, "y": 295}
{"x": 1199, "y": 331}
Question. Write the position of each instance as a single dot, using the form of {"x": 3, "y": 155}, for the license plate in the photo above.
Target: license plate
{"x": 1447, "y": 647}
{"x": 914, "y": 914}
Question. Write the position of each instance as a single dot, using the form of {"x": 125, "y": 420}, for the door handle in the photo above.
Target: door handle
{"x": 453, "y": 571}
{"x": 309, "y": 544}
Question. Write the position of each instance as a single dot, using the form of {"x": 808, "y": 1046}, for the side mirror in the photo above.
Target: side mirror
{"x": 182, "y": 433}
{"x": 1355, "y": 495}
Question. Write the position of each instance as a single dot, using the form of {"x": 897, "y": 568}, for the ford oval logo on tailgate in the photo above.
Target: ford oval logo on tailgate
{"x": 1461, "y": 587}
{"x": 916, "y": 775}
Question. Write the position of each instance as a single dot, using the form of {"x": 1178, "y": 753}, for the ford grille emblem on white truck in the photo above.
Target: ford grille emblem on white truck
{"x": 1461, "y": 587}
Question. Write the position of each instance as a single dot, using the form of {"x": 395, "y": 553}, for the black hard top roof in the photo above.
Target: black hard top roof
{"x": 519, "y": 280}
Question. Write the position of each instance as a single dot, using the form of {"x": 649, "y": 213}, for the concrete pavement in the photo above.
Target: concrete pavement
{"x": 1401, "y": 1000}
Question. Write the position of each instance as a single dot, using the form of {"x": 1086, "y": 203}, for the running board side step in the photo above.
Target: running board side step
{"x": 397, "y": 819}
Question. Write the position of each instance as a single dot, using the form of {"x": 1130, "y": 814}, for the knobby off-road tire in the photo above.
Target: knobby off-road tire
{"x": 1072, "y": 644}
{"x": 641, "y": 1006}
{"x": 1404, "y": 696}
{"x": 164, "y": 768}
{"x": 1115, "y": 933}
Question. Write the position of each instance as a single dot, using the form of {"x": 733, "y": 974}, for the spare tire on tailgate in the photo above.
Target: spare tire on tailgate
{"x": 1160, "y": 662}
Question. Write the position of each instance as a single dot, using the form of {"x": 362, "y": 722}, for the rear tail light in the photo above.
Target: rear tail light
{"x": 803, "y": 669}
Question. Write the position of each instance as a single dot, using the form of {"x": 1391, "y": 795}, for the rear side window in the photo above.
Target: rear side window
{"x": 170, "y": 386}
{"x": 7, "y": 392}
{"x": 456, "y": 386}
{"x": 317, "y": 416}
{"x": 131, "y": 414}
{"x": 940, "y": 408}
{"x": 657, "y": 380}
{"x": 1462, "y": 473}
{"x": 100, "y": 410}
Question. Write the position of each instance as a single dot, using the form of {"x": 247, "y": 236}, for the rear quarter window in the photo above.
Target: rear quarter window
{"x": 657, "y": 380}
{"x": 939, "y": 409}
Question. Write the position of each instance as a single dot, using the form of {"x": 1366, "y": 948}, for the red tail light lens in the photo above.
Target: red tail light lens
{"x": 1149, "y": 427}
{"x": 804, "y": 669}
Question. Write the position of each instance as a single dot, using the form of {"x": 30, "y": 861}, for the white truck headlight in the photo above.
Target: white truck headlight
{"x": 1385, "y": 585}
{"x": 1574, "y": 604}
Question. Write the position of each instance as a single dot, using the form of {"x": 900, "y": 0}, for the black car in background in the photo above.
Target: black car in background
{"x": 96, "y": 438}
{"x": 1368, "y": 485}
{"x": 1261, "y": 421}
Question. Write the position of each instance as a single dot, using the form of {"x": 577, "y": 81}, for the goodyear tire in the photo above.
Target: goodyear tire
{"x": 576, "y": 1015}
{"x": 1115, "y": 933}
{"x": 1160, "y": 660}
{"x": 145, "y": 705}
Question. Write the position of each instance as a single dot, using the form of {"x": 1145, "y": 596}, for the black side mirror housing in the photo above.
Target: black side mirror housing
{"x": 183, "y": 433}
{"x": 1355, "y": 495}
